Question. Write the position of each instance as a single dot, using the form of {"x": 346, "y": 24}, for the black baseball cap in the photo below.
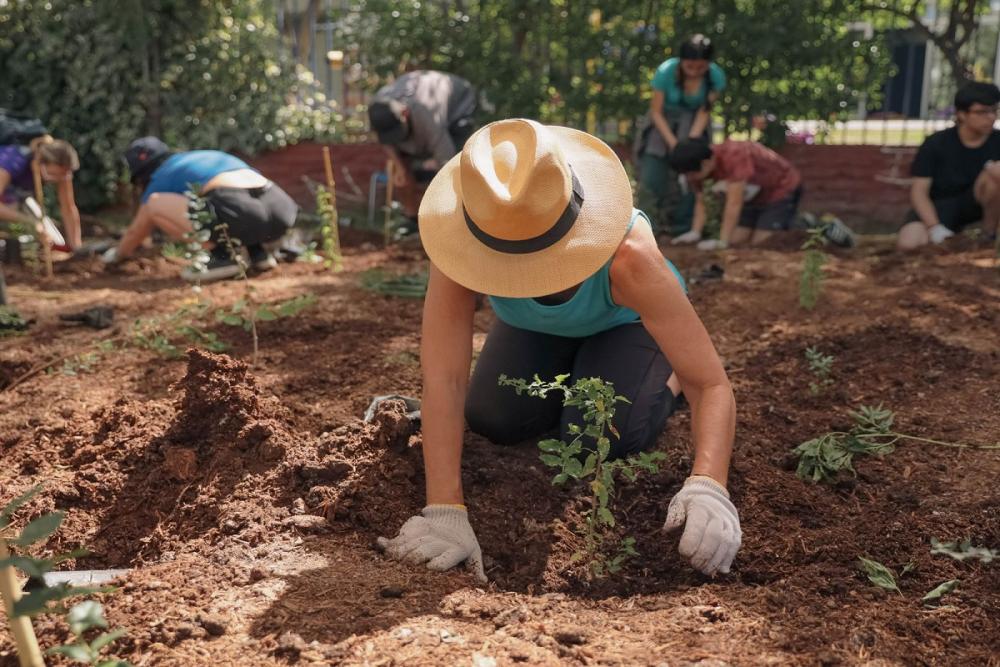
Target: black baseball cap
{"x": 386, "y": 119}
{"x": 144, "y": 155}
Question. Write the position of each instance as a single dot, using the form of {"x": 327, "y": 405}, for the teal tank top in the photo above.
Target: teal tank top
{"x": 589, "y": 311}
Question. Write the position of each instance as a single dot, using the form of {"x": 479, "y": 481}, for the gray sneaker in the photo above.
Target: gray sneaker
{"x": 260, "y": 259}
{"x": 220, "y": 266}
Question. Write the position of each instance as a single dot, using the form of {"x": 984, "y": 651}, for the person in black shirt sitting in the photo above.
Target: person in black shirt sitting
{"x": 956, "y": 173}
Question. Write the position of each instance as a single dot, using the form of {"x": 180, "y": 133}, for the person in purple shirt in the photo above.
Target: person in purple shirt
{"x": 253, "y": 210}
{"x": 57, "y": 160}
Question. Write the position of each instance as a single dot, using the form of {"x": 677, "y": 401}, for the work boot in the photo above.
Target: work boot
{"x": 220, "y": 266}
{"x": 260, "y": 259}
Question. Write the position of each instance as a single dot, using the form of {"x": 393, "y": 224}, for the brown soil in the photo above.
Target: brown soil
{"x": 248, "y": 500}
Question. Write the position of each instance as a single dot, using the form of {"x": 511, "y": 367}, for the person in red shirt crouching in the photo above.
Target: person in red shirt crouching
{"x": 762, "y": 190}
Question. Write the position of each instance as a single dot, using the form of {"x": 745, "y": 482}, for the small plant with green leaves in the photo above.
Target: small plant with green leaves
{"x": 410, "y": 286}
{"x": 240, "y": 314}
{"x": 77, "y": 364}
{"x": 577, "y": 460}
{"x": 45, "y": 599}
{"x": 822, "y": 459}
{"x": 326, "y": 209}
{"x": 821, "y": 366}
{"x": 169, "y": 334}
{"x": 880, "y": 575}
{"x": 963, "y": 550}
{"x": 812, "y": 277}
{"x": 193, "y": 247}
{"x": 11, "y": 322}
{"x": 940, "y": 591}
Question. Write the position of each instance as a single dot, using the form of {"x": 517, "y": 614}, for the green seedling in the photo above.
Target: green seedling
{"x": 821, "y": 366}
{"x": 82, "y": 617}
{"x": 880, "y": 575}
{"x": 596, "y": 399}
{"x": 77, "y": 364}
{"x": 243, "y": 313}
{"x": 963, "y": 550}
{"x": 822, "y": 459}
{"x": 940, "y": 591}
{"x": 45, "y": 599}
{"x": 811, "y": 280}
{"x": 412, "y": 286}
{"x": 170, "y": 334}
{"x": 327, "y": 212}
{"x": 11, "y": 322}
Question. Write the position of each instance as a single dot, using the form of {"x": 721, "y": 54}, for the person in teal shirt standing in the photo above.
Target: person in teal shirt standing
{"x": 684, "y": 90}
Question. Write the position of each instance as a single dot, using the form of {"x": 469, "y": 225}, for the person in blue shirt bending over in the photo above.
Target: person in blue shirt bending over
{"x": 684, "y": 90}
{"x": 253, "y": 210}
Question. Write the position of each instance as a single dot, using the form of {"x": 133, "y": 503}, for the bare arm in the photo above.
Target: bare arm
{"x": 656, "y": 113}
{"x": 920, "y": 199}
{"x": 641, "y": 280}
{"x": 732, "y": 210}
{"x": 69, "y": 213}
{"x": 698, "y": 221}
{"x": 445, "y": 358}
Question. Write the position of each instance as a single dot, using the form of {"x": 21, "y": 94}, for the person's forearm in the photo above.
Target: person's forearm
{"x": 11, "y": 214}
{"x": 663, "y": 127}
{"x": 71, "y": 221}
{"x": 924, "y": 208}
{"x": 136, "y": 233}
{"x": 713, "y": 428}
{"x": 700, "y": 123}
{"x": 443, "y": 424}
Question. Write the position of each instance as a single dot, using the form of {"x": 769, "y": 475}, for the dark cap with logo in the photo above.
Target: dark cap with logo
{"x": 144, "y": 155}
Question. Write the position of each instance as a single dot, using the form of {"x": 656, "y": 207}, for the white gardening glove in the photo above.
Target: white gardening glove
{"x": 110, "y": 256}
{"x": 712, "y": 532}
{"x": 713, "y": 244}
{"x": 939, "y": 233}
{"x": 439, "y": 536}
{"x": 687, "y": 238}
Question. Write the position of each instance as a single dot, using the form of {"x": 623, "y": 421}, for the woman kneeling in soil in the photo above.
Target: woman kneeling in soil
{"x": 541, "y": 219}
{"x": 253, "y": 210}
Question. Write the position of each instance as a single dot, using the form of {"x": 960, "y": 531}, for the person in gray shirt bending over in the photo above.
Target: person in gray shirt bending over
{"x": 423, "y": 119}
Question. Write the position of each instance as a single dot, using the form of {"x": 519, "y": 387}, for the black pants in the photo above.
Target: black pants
{"x": 626, "y": 356}
{"x": 252, "y": 215}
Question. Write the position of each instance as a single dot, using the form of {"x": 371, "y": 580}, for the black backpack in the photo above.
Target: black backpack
{"x": 19, "y": 129}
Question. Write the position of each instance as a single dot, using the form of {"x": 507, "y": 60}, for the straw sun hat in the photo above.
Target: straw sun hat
{"x": 526, "y": 210}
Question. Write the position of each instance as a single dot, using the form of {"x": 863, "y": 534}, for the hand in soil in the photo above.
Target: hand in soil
{"x": 712, "y": 534}
{"x": 441, "y": 537}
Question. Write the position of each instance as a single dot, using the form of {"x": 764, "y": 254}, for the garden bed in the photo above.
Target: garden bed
{"x": 248, "y": 500}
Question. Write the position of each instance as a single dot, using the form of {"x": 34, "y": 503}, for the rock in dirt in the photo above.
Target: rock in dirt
{"x": 291, "y": 645}
{"x": 214, "y": 624}
{"x": 571, "y": 636}
{"x": 180, "y": 463}
{"x": 308, "y": 523}
{"x": 392, "y": 592}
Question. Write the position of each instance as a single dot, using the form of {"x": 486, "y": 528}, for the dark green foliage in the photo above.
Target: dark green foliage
{"x": 821, "y": 366}
{"x": 411, "y": 286}
{"x": 197, "y": 74}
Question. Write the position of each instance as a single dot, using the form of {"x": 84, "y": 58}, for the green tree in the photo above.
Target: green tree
{"x": 200, "y": 74}
{"x": 563, "y": 61}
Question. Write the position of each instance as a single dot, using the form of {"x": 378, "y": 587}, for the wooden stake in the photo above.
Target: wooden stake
{"x": 389, "y": 169}
{"x": 28, "y": 653}
{"x": 43, "y": 236}
{"x": 338, "y": 259}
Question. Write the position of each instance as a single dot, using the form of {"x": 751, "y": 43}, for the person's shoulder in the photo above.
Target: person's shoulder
{"x": 716, "y": 71}
{"x": 941, "y": 137}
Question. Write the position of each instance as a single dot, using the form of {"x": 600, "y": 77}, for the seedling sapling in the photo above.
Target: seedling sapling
{"x": 410, "y": 286}
{"x": 596, "y": 399}
{"x": 811, "y": 280}
{"x": 45, "y": 599}
{"x": 821, "y": 366}
{"x": 963, "y": 550}
{"x": 822, "y": 458}
{"x": 326, "y": 207}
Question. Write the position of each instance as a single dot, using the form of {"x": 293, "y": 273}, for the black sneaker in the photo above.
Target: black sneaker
{"x": 260, "y": 259}
{"x": 837, "y": 232}
{"x": 220, "y": 266}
